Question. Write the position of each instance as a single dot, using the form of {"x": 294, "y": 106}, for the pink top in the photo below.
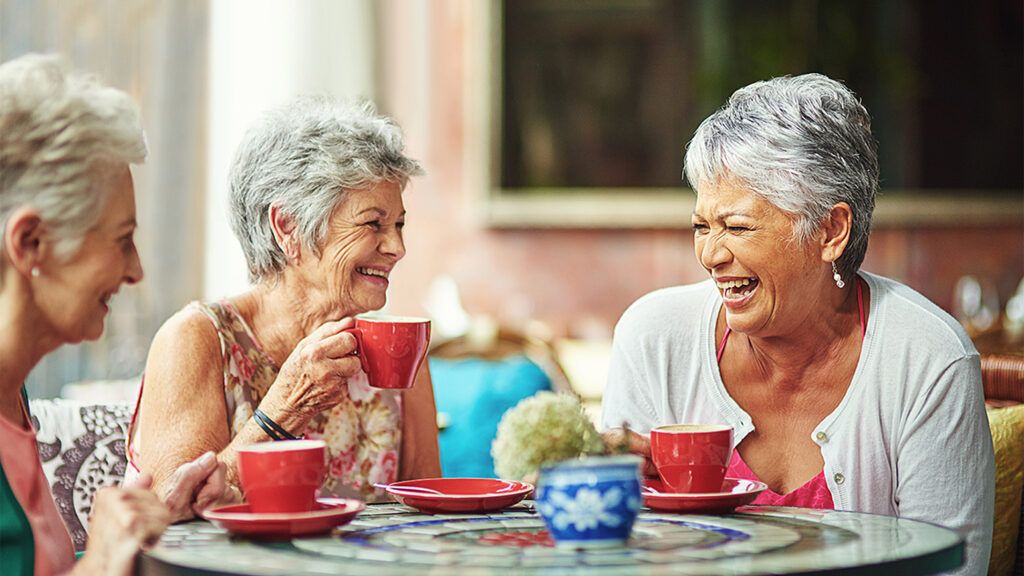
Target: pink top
{"x": 812, "y": 494}
{"x": 54, "y": 552}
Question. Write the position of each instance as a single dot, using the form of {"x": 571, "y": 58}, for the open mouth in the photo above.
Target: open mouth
{"x": 376, "y": 274}
{"x": 737, "y": 289}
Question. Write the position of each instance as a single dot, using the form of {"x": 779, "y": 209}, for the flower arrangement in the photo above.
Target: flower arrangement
{"x": 543, "y": 429}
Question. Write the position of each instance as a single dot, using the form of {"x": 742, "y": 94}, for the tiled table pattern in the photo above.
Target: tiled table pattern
{"x": 394, "y": 539}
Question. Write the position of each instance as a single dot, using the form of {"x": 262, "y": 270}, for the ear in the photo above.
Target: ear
{"x": 24, "y": 240}
{"x": 835, "y": 232}
{"x": 284, "y": 228}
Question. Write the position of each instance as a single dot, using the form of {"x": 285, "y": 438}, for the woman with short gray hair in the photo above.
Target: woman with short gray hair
{"x": 844, "y": 389}
{"x": 316, "y": 203}
{"x": 67, "y": 208}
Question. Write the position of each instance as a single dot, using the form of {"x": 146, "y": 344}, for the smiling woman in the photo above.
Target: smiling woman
{"x": 316, "y": 203}
{"x": 845, "y": 390}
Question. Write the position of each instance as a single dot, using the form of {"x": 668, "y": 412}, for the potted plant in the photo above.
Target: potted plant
{"x": 587, "y": 493}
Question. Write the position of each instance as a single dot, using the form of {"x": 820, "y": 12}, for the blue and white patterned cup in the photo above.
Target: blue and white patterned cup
{"x": 592, "y": 502}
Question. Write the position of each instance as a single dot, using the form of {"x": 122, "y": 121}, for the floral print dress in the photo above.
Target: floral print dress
{"x": 363, "y": 432}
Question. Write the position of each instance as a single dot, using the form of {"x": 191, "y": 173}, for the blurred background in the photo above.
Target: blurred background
{"x": 552, "y": 132}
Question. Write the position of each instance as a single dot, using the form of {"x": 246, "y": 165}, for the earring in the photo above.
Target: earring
{"x": 35, "y": 272}
{"x": 836, "y": 276}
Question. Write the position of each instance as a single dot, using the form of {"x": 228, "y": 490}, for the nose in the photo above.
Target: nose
{"x": 393, "y": 244}
{"x": 133, "y": 271}
{"x": 712, "y": 252}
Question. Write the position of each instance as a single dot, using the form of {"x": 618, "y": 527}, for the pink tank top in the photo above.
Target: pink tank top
{"x": 812, "y": 494}
{"x": 54, "y": 552}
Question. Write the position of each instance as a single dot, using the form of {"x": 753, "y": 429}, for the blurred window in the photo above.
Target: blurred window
{"x": 606, "y": 93}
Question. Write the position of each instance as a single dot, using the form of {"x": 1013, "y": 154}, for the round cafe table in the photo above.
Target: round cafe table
{"x": 394, "y": 539}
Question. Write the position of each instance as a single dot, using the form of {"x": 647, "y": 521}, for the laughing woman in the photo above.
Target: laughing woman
{"x": 316, "y": 203}
{"x": 846, "y": 390}
{"x": 67, "y": 205}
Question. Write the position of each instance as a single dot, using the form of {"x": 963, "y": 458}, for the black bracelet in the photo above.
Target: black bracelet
{"x": 273, "y": 429}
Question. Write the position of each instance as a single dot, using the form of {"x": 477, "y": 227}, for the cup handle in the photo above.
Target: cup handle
{"x": 359, "y": 346}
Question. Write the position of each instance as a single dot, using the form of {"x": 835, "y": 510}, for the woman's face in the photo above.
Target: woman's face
{"x": 765, "y": 276}
{"x": 363, "y": 244}
{"x": 75, "y": 293}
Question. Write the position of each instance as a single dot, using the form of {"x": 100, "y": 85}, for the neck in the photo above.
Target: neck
{"x": 282, "y": 312}
{"x": 824, "y": 336}
{"x": 24, "y": 340}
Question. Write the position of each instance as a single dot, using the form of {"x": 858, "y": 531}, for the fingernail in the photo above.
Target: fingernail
{"x": 207, "y": 459}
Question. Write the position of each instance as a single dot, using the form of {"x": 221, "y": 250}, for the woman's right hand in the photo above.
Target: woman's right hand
{"x": 314, "y": 376}
{"x": 619, "y": 439}
{"x": 123, "y": 521}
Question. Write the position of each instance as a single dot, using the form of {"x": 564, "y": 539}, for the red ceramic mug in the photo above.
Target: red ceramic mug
{"x": 282, "y": 477}
{"x": 391, "y": 348}
{"x": 692, "y": 458}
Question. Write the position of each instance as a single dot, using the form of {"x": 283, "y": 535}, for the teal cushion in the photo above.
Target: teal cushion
{"x": 472, "y": 395}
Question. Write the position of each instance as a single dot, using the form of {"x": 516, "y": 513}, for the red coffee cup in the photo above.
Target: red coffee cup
{"x": 282, "y": 477}
{"x": 692, "y": 458}
{"x": 391, "y": 348}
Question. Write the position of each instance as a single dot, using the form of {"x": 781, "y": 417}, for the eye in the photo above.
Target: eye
{"x": 738, "y": 228}
{"x": 400, "y": 225}
{"x": 373, "y": 224}
{"x": 699, "y": 227}
{"x": 127, "y": 242}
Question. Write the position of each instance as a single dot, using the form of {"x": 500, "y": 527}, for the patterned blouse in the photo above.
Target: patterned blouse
{"x": 363, "y": 432}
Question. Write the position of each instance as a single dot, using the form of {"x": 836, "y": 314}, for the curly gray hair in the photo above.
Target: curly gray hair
{"x": 306, "y": 157}
{"x": 60, "y": 132}
{"x": 804, "y": 144}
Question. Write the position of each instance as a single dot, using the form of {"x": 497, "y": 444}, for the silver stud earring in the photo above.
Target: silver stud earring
{"x": 836, "y": 276}
{"x": 35, "y": 271}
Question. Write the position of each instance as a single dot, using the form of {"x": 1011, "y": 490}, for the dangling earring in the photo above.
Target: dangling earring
{"x": 35, "y": 272}
{"x": 836, "y": 276}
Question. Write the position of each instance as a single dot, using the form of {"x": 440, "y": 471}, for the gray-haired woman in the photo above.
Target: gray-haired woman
{"x": 67, "y": 205}
{"x": 845, "y": 389}
{"x": 316, "y": 202}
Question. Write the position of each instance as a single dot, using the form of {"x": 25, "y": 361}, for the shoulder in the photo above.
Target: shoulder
{"x": 667, "y": 309}
{"x": 907, "y": 320}
{"x": 187, "y": 343}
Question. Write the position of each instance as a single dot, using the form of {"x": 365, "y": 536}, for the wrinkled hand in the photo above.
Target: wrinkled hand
{"x": 313, "y": 377}
{"x": 194, "y": 486}
{"x": 634, "y": 443}
{"x": 123, "y": 521}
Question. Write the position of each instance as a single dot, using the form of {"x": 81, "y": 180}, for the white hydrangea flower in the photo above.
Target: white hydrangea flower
{"x": 543, "y": 429}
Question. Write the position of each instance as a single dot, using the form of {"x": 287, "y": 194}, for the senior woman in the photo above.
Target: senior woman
{"x": 316, "y": 202}
{"x": 68, "y": 210}
{"x": 845, "y": 390}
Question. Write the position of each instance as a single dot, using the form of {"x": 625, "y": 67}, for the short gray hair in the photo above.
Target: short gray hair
{"x": 59, "y": 130}
{"x": 804, "y": 144}
{"x": 306, "y": 157}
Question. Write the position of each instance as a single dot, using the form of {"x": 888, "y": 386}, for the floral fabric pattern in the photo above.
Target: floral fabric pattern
{"x": 363, "y": 432}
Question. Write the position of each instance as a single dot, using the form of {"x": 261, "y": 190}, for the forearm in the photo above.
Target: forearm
{"x": 420, "y": 453}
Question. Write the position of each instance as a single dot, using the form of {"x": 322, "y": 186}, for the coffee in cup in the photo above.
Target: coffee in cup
{"x": 391, "y": 348}
{"x": 283, "y": 476}
{"x": 692, "y": 458}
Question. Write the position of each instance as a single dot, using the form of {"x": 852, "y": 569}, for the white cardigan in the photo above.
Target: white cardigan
{"x": 910, "y": 438}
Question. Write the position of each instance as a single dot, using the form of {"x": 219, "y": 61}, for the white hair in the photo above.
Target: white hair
{"x": 804, "y": 144}
{"x": 60, "y": 133}
{"x": 306, "y": 157}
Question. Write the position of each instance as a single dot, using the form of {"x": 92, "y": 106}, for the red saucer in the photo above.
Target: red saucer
{"x": 459, "y": 494}
{"x": 735, "y": 492}
{"x": 327, "y": 513}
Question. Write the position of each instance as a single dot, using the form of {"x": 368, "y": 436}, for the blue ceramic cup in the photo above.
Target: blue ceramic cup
{"x": 592, "y": 502}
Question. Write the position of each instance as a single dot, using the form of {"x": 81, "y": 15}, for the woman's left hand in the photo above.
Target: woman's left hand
{"x": 194, "y": 486}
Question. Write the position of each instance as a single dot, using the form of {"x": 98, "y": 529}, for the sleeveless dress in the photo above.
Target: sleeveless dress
{"x": 812, "y": 494}
{"x": 363, "y": 432}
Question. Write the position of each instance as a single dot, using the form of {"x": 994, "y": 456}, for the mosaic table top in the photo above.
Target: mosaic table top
{"x": 394, "y": 539}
